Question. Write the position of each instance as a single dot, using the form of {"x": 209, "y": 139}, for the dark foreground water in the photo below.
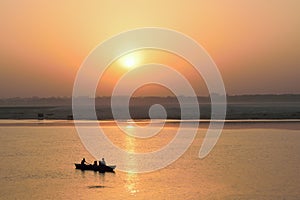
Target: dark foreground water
{"x": 250, "y": 161}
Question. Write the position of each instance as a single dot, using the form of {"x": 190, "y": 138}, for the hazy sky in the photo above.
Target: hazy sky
{"x": 255, "y": 43}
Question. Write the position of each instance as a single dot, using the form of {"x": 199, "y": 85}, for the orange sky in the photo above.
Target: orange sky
{"x": 255, "y": 44}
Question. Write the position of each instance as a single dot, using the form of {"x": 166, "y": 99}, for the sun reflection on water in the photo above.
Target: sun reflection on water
{"x": 131, "y": 183}
{"x": 131, "y": 178}
{"x": 129, "y": 140}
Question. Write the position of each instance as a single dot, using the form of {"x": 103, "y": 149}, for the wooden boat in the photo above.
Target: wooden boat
{"x": 99, "y": 168}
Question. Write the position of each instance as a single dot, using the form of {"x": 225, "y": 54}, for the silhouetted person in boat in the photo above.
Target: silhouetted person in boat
{"x": 83, "y": 161}
{"x": 95, "y": 163}
{"x": 102, "y": 162}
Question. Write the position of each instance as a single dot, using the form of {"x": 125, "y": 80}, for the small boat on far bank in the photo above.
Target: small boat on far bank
{"x": 99, "y": 168}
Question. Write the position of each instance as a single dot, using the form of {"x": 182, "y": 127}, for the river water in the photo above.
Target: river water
{"x": 253, "y": 160}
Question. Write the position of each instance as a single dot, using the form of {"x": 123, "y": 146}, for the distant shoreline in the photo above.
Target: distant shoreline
{"x": 105, "y": 100}
{"x": 244, "y": 107}
{"x": 290, "y": 124}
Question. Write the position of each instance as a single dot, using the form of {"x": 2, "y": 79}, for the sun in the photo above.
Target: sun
{"x": 129, "y": 62}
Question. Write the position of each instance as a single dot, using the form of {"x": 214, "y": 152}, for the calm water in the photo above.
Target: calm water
{"x": 250, "y": 161}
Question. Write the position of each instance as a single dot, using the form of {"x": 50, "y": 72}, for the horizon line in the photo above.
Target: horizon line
{"x": 149, "y": 96}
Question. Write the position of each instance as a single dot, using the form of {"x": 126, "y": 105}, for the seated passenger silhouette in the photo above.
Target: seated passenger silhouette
{"x": 102, "y": 162}
{"x": 95, "y": 163}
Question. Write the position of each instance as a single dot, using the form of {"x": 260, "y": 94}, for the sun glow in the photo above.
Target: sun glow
{"x": 129, "y": 61}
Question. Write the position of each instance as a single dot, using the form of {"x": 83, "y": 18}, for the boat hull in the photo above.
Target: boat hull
{"x": 101, "y": 168}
